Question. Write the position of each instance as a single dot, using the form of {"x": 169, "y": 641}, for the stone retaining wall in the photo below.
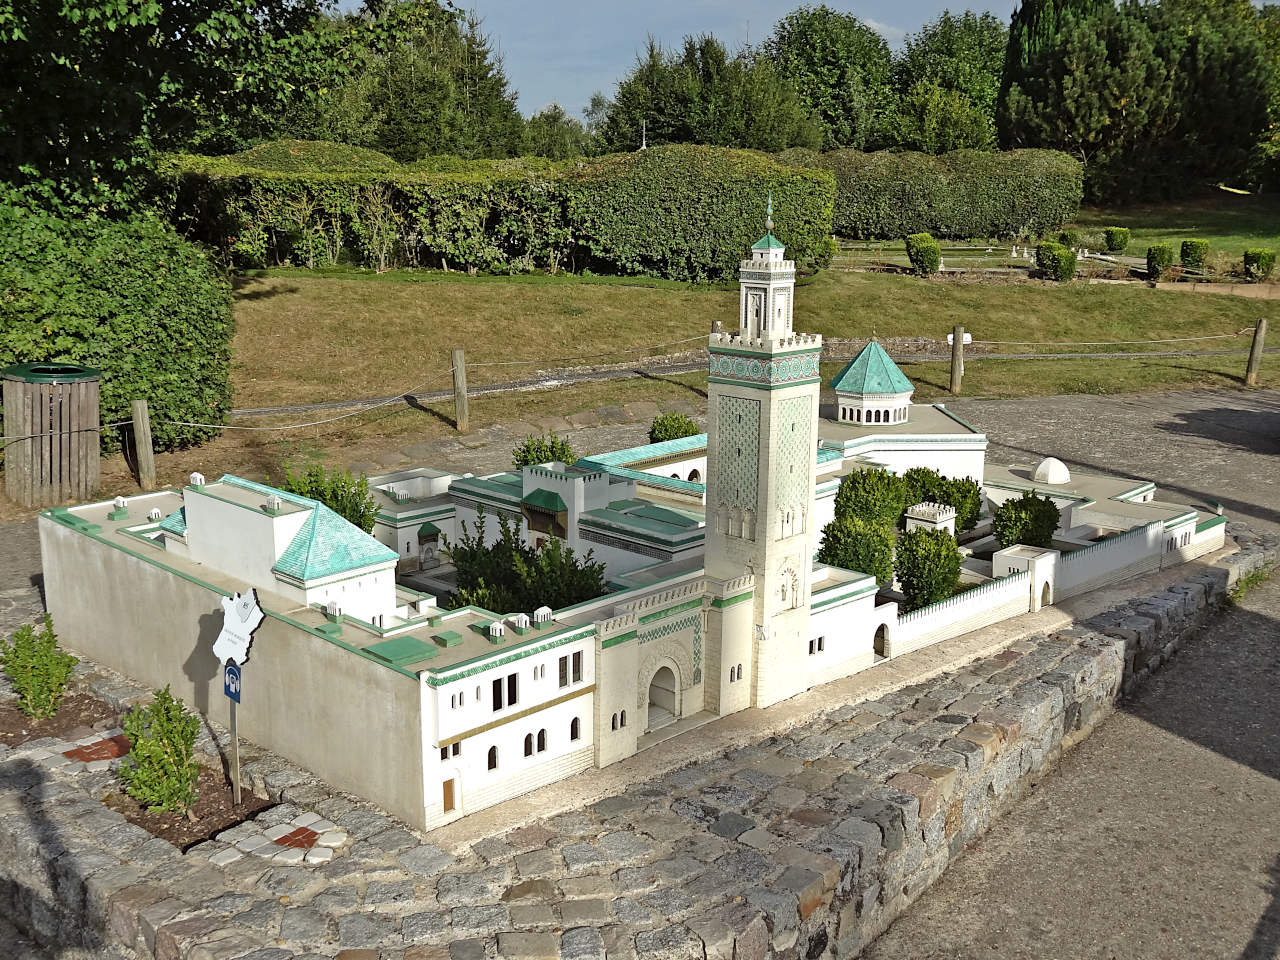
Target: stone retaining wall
{"x": 805, "y": 845}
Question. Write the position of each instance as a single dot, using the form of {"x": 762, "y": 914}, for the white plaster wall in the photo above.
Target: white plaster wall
{"x": 363, "y": 595}
{"x": 949, "y": 460}
{"x": 682, "y": 468}
{"x": 237, "y": 540}
{"x": 1116, "y": 558}
{"x": 475, "y": 693}
{"x": 970, "y": 610}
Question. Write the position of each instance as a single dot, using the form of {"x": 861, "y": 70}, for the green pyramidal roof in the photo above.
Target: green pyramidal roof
{"x": 871, "y": 371}
{"x": 768, "y": 242}
{"x": 326, "y": 545}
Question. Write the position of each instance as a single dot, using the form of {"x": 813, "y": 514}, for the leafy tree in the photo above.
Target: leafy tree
{"x": 545, "y": 449}
{"x": 90, "y": 88}
{"x": 1091, "y": 79}
{"x": 928, "y": 567}
{"x": 1029, "y": 519}
{"x": 553, "y": 133}
{"x": 874, "y": 495}
{"x": 841, "y": 69}
{"x": 436, "y": 87}
{"x": 854, "y": 544}
{"x": 671, "y": 426}
{"x": 37, "y": 669}
{"x": 933, "y": 119}
{"x": 509, "y": 575}
{"x": 702, "y": 94}
{"x": 344, "y": 494}
{"x": 963, "y": 53}
{"x": 926, "y": 485}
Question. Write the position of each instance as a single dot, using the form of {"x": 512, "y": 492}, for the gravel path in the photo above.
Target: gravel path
{"x": 1159, "y": 836}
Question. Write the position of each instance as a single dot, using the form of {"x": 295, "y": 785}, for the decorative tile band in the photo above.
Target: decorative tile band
{"x": 784, "y": 370}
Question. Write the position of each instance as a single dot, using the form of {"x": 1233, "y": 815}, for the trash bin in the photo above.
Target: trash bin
{"x": 51, "y": 414}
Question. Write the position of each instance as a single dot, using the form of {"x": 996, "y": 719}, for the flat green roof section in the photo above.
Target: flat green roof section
{"x": 448, "y": 638}
{"x": 402, "y": 650}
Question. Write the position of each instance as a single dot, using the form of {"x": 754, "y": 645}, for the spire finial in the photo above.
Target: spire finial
{"x": 768, "y": 217}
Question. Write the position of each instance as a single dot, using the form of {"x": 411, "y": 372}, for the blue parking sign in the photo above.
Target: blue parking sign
{"x": 231, "y": 681}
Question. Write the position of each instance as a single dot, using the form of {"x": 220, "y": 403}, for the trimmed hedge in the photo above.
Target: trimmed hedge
{"x": 1069, "y": 238}
{"x": 133, "y": 299}
{"x": 1116, "y": 238}
{"x": 924, "y": 253}
{"x": 682, "y": 212}
{"x": 1194, "y": 253}
{"x": 964, "y": 194}
{"x": 1159, "y": 260}
{"x": 1056, "y": 262}
{"x": 1259, "y": 262}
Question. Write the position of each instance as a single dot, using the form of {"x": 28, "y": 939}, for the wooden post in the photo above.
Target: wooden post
{"x": 460, "y": 415}
{"x": 957, "y": 358}
{"x": 142, "y": 445}
{"x": 1255, "y": 353}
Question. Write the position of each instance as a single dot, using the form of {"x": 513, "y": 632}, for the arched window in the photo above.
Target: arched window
{"x": 528, "y": 744}
{"x": 575, "y": 729}
{"x": 613, "y": 722}
{"x": 622, "y": 721}
{"x": 493, "y": 758}
{"x": 542, "y": 740}
{"x": 695, "y": 476}
{"x": 739, "y": 671}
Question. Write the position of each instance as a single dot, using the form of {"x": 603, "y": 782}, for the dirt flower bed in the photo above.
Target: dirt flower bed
{"x": 213, "y": 811}
{"x": 78, "y": 716}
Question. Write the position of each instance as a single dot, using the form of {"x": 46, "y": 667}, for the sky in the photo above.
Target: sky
{"x": 562, "y": 51}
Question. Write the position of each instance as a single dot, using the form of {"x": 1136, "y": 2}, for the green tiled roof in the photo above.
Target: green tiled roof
{"x": 545, "y": 499}
{"x": 649, "y": 451}
{"x": 768, "y": 242}
{"x": 871, "y": 371}
{"x": 428, "y": 528}
{"x": 176, "y": 522}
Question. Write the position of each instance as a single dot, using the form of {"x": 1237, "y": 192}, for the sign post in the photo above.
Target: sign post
{"x": 241, "y": 616}
{"x": 231, "y": 687}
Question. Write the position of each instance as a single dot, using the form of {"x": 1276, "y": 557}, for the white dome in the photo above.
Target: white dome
{"x": 1051, "y": 470}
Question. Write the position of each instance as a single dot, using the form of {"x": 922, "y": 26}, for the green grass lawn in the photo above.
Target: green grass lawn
{"x": 1230, "y": 222}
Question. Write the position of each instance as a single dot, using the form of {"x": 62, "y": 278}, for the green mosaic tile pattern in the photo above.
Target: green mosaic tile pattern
{"x": 793, "y": 369}
{"x": 792, "y": 456}
{"x": 737, "y": 470}
{"x": 674, "y": 627}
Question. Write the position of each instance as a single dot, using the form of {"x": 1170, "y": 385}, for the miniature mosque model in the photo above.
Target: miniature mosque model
{"x": 716, "y": 602}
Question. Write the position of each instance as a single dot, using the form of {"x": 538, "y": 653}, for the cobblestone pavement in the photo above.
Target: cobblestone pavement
{"x": 1159, "y": 836}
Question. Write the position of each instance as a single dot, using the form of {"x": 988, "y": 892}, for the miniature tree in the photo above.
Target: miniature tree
{"x": 928, "y": 567}
{"x": 544, "y": 449}
{"x": 340, "y": 491}
{"x": 38, "y": 670}
{"x": 1159, "y": 260}
{"x": 1029, "y": 519}
{"x": 874, "y": 495}
{"x": 161, "y": 771}
{"x": 926, "y": 485}
{"x": 924, "y": 253}
{"x": 671, "y": 426}
{"x": 854, "y": 544}
{"x": 1194, "y": 253}
{"x": 1116, "y": 238}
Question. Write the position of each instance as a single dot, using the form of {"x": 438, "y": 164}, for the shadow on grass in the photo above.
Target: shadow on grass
{"x": 421, "y": 407}
{"x": 254, "y": 288}
{"x": 658, "y": 378}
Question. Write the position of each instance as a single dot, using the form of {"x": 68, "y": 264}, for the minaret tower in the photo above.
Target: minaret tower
{"x": 762, "y": 392}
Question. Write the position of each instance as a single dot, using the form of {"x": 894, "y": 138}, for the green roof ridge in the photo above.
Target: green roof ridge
{"x": 872, "y": 371}
{"x": 768, "y": 242}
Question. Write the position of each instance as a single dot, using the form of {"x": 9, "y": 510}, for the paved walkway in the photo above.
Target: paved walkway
{"x": 1159, "y": 836}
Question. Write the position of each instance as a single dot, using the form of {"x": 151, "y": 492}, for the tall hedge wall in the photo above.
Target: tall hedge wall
{"x": 967, "y": 193}
{"x": 146, "y": 307}
{"x": 683, "y": 212}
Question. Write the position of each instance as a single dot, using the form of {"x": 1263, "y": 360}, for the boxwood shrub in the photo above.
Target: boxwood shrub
{"x": 132, "y": 299}
{"x": 967, "y": 193}
{"x": 1159, "y": 260}
{"x": 1116, "y": 238}
{"x": 681, "y": 212}
{"x": 1194, "y": 253}
{"x": 1056, "y": 262}
{"x": 924, "y": 253}
{"x": 1259, "y": 262}
{"x": 1069, "y": 238}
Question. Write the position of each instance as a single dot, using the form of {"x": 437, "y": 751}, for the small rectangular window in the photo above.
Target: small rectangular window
{"x": 577, "y": 667}
{"x": 444, "y": 753}
{"x": 822, "y": 644}
{"x": 564, "y": 671}
{"x": 497, "y": 694}
{"x": 456, "y": 748}
{"x": 511, "y": 689}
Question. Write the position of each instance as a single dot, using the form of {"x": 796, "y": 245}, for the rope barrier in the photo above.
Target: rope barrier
{"x": 1107, "y": 343}
{"x": 598, "y": 356}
